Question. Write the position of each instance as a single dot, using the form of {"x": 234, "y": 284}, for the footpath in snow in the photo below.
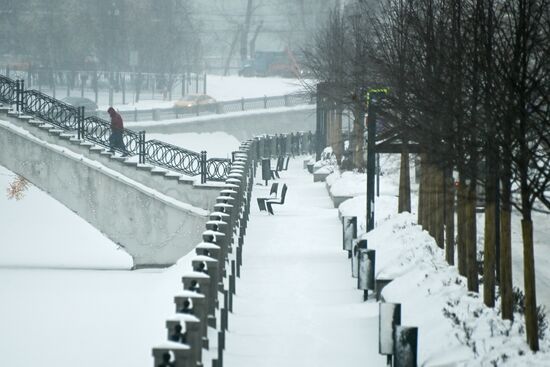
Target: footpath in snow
{"x": 296, "y": 303}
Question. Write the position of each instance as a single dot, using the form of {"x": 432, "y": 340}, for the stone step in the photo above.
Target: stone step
{"x": 144, "y": 167}
{"x": 36, "y": 123}
{"x": 172, "y": 176}
{"x": 120, "y": 159}
{"x": 158, "y": 171}
{"x": 56, "y": 131}
{"x": 66, "y": 136}
{"x": 97, "y": 149}
{"x": 129, "y": 163}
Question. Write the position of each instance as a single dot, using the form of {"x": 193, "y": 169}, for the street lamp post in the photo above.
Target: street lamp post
{"x": 373, "y": 97}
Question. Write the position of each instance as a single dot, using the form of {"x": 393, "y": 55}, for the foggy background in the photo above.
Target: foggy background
{"x": 151, "y": 36}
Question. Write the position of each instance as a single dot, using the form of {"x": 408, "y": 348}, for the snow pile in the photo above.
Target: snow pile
{"x": 455, "y": 327}
{"x": 349, "y": 183}
{"x": 327, "y": 162}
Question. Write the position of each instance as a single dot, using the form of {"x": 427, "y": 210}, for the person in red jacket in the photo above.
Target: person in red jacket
{"x": 117, "y": 128}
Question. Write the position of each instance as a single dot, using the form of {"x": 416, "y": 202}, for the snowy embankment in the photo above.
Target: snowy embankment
{"x": 67, "y": 293}
{"x": 455, "y": 327}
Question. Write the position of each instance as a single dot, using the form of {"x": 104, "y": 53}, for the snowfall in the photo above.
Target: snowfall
{"x": 69, "y": 298}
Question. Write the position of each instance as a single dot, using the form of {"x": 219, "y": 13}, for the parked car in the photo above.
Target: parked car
{"x": 90, "y": 108}
{"x": 193, "y": 100}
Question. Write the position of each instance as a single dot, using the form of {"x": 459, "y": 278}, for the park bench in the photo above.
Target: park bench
{"x": 272, "y": 195}
{"x": 276, "y": 201}
{"x": 282, "y": 165}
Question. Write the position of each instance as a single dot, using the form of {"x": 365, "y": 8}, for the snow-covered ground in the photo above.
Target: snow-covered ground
{"x": 67, "y": 294}
{"x": 296, "y": 302}
{"x": 455, "y": 328}
{"x": 221, "y": 88}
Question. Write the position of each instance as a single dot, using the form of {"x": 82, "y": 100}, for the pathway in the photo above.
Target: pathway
{"x": 296, "y": 303}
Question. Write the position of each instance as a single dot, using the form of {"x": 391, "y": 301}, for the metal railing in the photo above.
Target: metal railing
{"x": 98, "y": 131}
{"x": 7, "y": 90}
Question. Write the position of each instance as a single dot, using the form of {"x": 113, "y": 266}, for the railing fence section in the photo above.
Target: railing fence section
{"x": 98, "y": 131}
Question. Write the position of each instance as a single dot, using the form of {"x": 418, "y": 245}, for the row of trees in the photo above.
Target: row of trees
{"x": 114, "y": 35}
{"x": 470, "y": 83}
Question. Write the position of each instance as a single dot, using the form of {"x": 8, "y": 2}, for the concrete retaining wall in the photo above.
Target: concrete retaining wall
{"x": 154, "y": 229}
{"x": 241, "y": 125}
{"x": 181, "y": 188}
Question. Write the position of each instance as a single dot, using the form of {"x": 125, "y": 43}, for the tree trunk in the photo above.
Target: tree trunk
{"x": 461, "y": 228}
{"x": 404, "y": 183}
{"x": 430, "y": 207}
{"x": 450, "y": 220}
{"x": 245, "y": 31}
{"x": 338, "y": 141}
{"x": 439, "y": 206}
{"x": 506, "y": 284}
{"x": 531, "y": 320}
{"x": 489, "y": 245}
{"x": 471, "y": 239}
{"x": 421, "y": 163}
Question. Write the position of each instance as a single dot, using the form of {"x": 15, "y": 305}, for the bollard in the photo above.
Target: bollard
{"x": 239, "y": 260}
{"x": 365, "y": 275}
{"x": 200, "y": 283}
{"x": 226, "y": 240}
{"x": 232, "y": 284}
{"x": 357, "y": 245}
{"x": 209, "y": 249}
{"x": 172, "y": 354}
{"x": 405, "y": 344}
{"x": 349, "y": 232}
{"x": 193, "y": 303}
{"x": 209, "y": 266}
{"x": 217, "y": 238}
{"x": 192, "y": 335}
{"x": 389, "y": 317}
{"x": 371, "y": 256}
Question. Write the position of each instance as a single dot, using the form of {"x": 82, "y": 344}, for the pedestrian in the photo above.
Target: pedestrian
{"x": 117, "y": 128}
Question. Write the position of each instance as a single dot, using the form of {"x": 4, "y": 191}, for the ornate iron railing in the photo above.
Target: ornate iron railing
{"x": 49, "y": 109}
{"x": 173, "y": 157}
{"x": 98, "y": 131}
{"x": 217, "y": 169}
{"x": 7, "y": 90}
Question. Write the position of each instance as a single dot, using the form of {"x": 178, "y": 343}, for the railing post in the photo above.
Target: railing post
{"x": 286, "y": 99}
{"x": 265, "y": 101}
{"x": 20, "y": 87}
{"x": 17, "y": 91}
{"x": 80, "y": 128}
{"x": 203, "y": 166}
{"x": 242, "y": 104}
{"x": 141, "y": 147}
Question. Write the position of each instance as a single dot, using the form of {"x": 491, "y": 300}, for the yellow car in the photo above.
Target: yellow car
{"x": 193, "y": 100}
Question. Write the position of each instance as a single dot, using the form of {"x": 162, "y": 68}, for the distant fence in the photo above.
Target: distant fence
{"x": 238, "y": 105}
{"x": 97, "y": 130}
{"x": 123, "y": 88}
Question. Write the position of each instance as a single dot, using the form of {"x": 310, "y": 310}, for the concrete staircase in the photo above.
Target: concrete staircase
{"x": 155, "y": 215}
{"x": 180, "y": 187}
